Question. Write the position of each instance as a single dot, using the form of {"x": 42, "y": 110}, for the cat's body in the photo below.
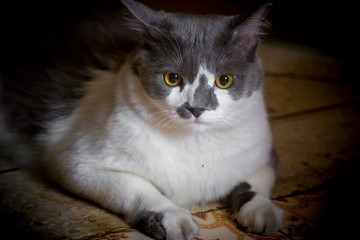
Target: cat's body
{"x": 150, "y": 130}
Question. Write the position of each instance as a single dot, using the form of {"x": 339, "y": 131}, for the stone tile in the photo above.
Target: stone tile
{"x": 291, "y": 59}
{"x": 303, "y": 214}
{"x": 285, "y": 96}
{"x": 49, "y": 212}
{"x": 125, "y": 234}
{"x": 314, "y": 148}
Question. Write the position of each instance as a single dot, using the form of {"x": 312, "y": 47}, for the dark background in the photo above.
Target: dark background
{"x": 329, "y": 26}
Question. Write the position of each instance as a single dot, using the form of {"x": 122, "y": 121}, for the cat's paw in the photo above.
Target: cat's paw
{"x": 150, "y": 223}
{"x": 170, "y": 224}
{"x": 179, "y": 224}
{"x": 261, "y": 216}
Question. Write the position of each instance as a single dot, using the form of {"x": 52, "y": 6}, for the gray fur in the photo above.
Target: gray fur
{"x": 274, "y": 158}
{"x": 180, "y": 43}
{"x": 239, "y": 196}
{"x": 150, "y": 223}
{"x": 204, "y": 96}
{"x": 184, "y": 111}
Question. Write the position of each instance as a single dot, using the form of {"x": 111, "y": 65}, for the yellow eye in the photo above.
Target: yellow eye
{"x": 172, "y": 79}
{"x": 224, "y": 81}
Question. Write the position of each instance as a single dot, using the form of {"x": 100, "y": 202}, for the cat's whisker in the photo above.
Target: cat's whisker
{"x": 158, "y": 116}
{"x": 228, "y": 123}
{"x": 164, "y": 124}
{"x": 160, "y": 120}
{"x": 175, "y": 55}
{"x": 171, "y": 124}
{"x": 225, "y": 53}
{"x": 178, "y": 53}
{"x": 178, "y": 50}
{"x": 225, "y": 120}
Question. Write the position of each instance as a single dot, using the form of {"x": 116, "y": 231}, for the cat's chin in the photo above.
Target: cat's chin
{"x": 197, "y": 125}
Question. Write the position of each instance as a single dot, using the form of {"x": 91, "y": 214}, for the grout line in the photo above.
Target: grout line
{"x": 286, "y": 235}
{"x": 102, "y": 234}
{"x": 209, "y": 210}
{"x": 299, "y": 192}
{"x": 314, "y": 110}
{"x": 327, "y": 186}
{"x": 10, "y": 170}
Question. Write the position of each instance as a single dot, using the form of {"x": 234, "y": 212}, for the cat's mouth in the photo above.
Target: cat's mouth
{"x": 198, "y": 124}
{"x": 198, "y": 121}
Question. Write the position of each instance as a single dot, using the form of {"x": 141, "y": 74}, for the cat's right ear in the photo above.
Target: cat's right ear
{"x": 141, "y": 18}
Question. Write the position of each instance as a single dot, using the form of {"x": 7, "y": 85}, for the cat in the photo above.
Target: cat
{"x": 148, "y": 113}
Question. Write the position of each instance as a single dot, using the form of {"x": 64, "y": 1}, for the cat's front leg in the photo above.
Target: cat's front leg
{"x": 136, "y": 199}
{"x": 251, "y": 205}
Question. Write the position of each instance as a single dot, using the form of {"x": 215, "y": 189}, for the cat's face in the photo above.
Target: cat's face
{"x": 198, "y": 71}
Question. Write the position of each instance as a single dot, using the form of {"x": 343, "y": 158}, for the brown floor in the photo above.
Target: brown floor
{"x": 314, "y": 115}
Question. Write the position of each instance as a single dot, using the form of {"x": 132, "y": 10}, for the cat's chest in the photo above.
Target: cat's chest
{"x": 196, "y": 169}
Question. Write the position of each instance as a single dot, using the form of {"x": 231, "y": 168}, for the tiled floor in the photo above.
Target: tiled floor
{"x": 314, "y": 115}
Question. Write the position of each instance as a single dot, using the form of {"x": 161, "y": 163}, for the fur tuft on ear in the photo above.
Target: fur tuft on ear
{"x": 140, "y": 16}
{"x": 245, "y": 35}
{"x": 144, "y": 20}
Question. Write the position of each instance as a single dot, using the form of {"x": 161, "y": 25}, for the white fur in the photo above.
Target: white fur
{"x": 120, "y": 147}
{"x": 260, "y": 215}
{"x": 262, "y": 180}
{"x": 179, "y": 224}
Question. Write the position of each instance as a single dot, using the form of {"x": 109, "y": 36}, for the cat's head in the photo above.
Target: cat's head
{"x": 199, "y": 71}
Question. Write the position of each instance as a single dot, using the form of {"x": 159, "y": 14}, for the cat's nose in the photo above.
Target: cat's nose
{"x": 195, "y": 111}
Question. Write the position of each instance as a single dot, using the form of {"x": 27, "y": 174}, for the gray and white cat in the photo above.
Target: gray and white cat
{"x": 146, "y": 112}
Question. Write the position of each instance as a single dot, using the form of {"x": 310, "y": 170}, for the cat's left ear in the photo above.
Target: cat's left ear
{"x": 245, "y": 36}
